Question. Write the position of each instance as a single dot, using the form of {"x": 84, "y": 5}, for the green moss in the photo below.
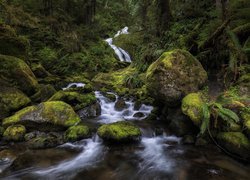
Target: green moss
{"x": 18, "y": 73}
{"x": 236, "y": 139}
{"x": 75, "y": 133}
{"x": 115, "y": 81}
{"x": 55, "y": 112}
{"x": 119, "y": 131}
{"x": 18, "y": 116}
{"x": 15, "y": 133}
{"x": 192, "y": 107}
{"x": 75, "y": 99}
{"x": 11, "y": 99}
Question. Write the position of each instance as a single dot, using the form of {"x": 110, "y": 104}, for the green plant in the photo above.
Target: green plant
{"x": 216, "y": 111}
{"x": 133, "y": 80}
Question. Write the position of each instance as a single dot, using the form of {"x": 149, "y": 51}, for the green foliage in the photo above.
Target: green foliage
{"x": 216, "y": 110}
{"x": 47, "y": 57}
{"x": 133, "y": 80}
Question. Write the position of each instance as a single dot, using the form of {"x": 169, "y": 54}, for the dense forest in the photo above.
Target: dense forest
{"x": 124, "y": 89}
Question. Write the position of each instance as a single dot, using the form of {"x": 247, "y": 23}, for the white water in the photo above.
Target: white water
{"x": 121, "y": 53}
{"x": 154, "y": 156}
{"x": 92, "y": 153}
{"x": 74, "y": 84}
{"x": 110, "y": 115}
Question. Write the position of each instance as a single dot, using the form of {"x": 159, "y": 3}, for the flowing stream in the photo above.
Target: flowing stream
{"x": 157, "y": 156}
{"x": 121, "y": 53}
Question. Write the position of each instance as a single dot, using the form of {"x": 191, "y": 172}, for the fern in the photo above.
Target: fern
{"x": 206, "y": 119}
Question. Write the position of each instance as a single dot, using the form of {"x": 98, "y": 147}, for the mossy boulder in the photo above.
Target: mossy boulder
{"x": 11, "y": 100}
{"x": 39, "y": 70}
{"x": 12, "y": 44}
{"x": 47, "y": 116}
{"x": 175, "y": 74}
{"x": 76, "y": 133}
{"x": 235, "y": 142}
{"x": 14, "y": 133}
{"x": 16, "y": 72}
{"x": 192, "y": 107}
{"x": 75, "y": 99}
{"x": 119, "y": 132}
{"x": 41, "y": 140}
{"x": 44, "y": 93}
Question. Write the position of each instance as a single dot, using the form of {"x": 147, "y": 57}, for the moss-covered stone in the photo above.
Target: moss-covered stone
{"x": 76, "y": 133}
{"x": 14, "y": 133}
{"x": 235, "y": 142}
{"x": 39, "y": 70}
{"x": 175, "y": 74}
{"x": 11, "y": 44}
{"x": 192, "y": 107}
{"x": 115, "y": 81}
{"x": 11, "y": 99}
{"x": 44, "y": 93}
{"x": 17, "y": 72}
{"x": 47, "y": 116}
{"x": 119, "y": 132}
{"x": 77, "y": 100}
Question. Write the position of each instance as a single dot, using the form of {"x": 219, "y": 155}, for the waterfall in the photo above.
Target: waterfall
{"x": 121, "y": 53}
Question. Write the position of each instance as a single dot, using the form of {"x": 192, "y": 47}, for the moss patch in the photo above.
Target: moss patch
{"x": 77, "y": 100}
{"x": 192, "y": 107}
{"x": 14, "y": 133}
{"x": 75, "y": 133}
{"x": 119, "y": 131}
{"x": 17, "y": 72}
{"x": 50, "y": 115}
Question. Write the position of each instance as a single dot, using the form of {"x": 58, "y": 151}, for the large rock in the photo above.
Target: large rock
{"x": 91, "y": 111}
{"x": 14, "y": 133}
{"x": 119, "y": 132}
{"x": 192, "y": 107}
{"x": 11, "y": 99}
{"x": 11, "y": 44}
{"x": 75, "y": 133}
{"x": 17, "y": 72}
{"x": 47, "y": 116}
{"x": 235, "y": 142}
{"x": 75, "y": 99}
{"x": 174, "y": 75}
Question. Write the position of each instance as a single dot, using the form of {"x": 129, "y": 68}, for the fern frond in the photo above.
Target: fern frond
{"x": 228, "y": 115}
{"x": 206, "y": 119}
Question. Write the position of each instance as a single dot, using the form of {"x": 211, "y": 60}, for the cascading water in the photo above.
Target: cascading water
{"x": 121, "y": 53}
{"x": 74, "y": 85}
{"x": 109, "y": 114}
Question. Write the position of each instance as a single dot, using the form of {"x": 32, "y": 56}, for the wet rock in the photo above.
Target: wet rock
{"x": 14, "y": 133}
{"x": 174, "y": 75}
{"x": 75, "y": 99}
{"x": 47, "y": 116}
{"x": 138, "y": 115}
{"x": 17, "y": 73}
{"x": 235, "y": 142}
{"x": 192, "y": 107}
{"x": 188, "y": 139}
{"x": 91, "y": 111}
{"x": 120, "y": 105}
{"x": 110, "y": 96}
{"x": 11, "y": 100}
{"x": 180, "y": 124}
{"x": 76, "y": 133}
{"x": 40, "y": 140}
{"x": 119, "y": 132}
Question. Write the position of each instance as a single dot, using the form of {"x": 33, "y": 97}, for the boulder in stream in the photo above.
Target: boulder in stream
{"x": 75, "y": 133}
{"x": 14, "y": 133}
{"x": 119, "y": 132}
{"x": 47, "y": 116}
{"x": 174, "y": 75}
